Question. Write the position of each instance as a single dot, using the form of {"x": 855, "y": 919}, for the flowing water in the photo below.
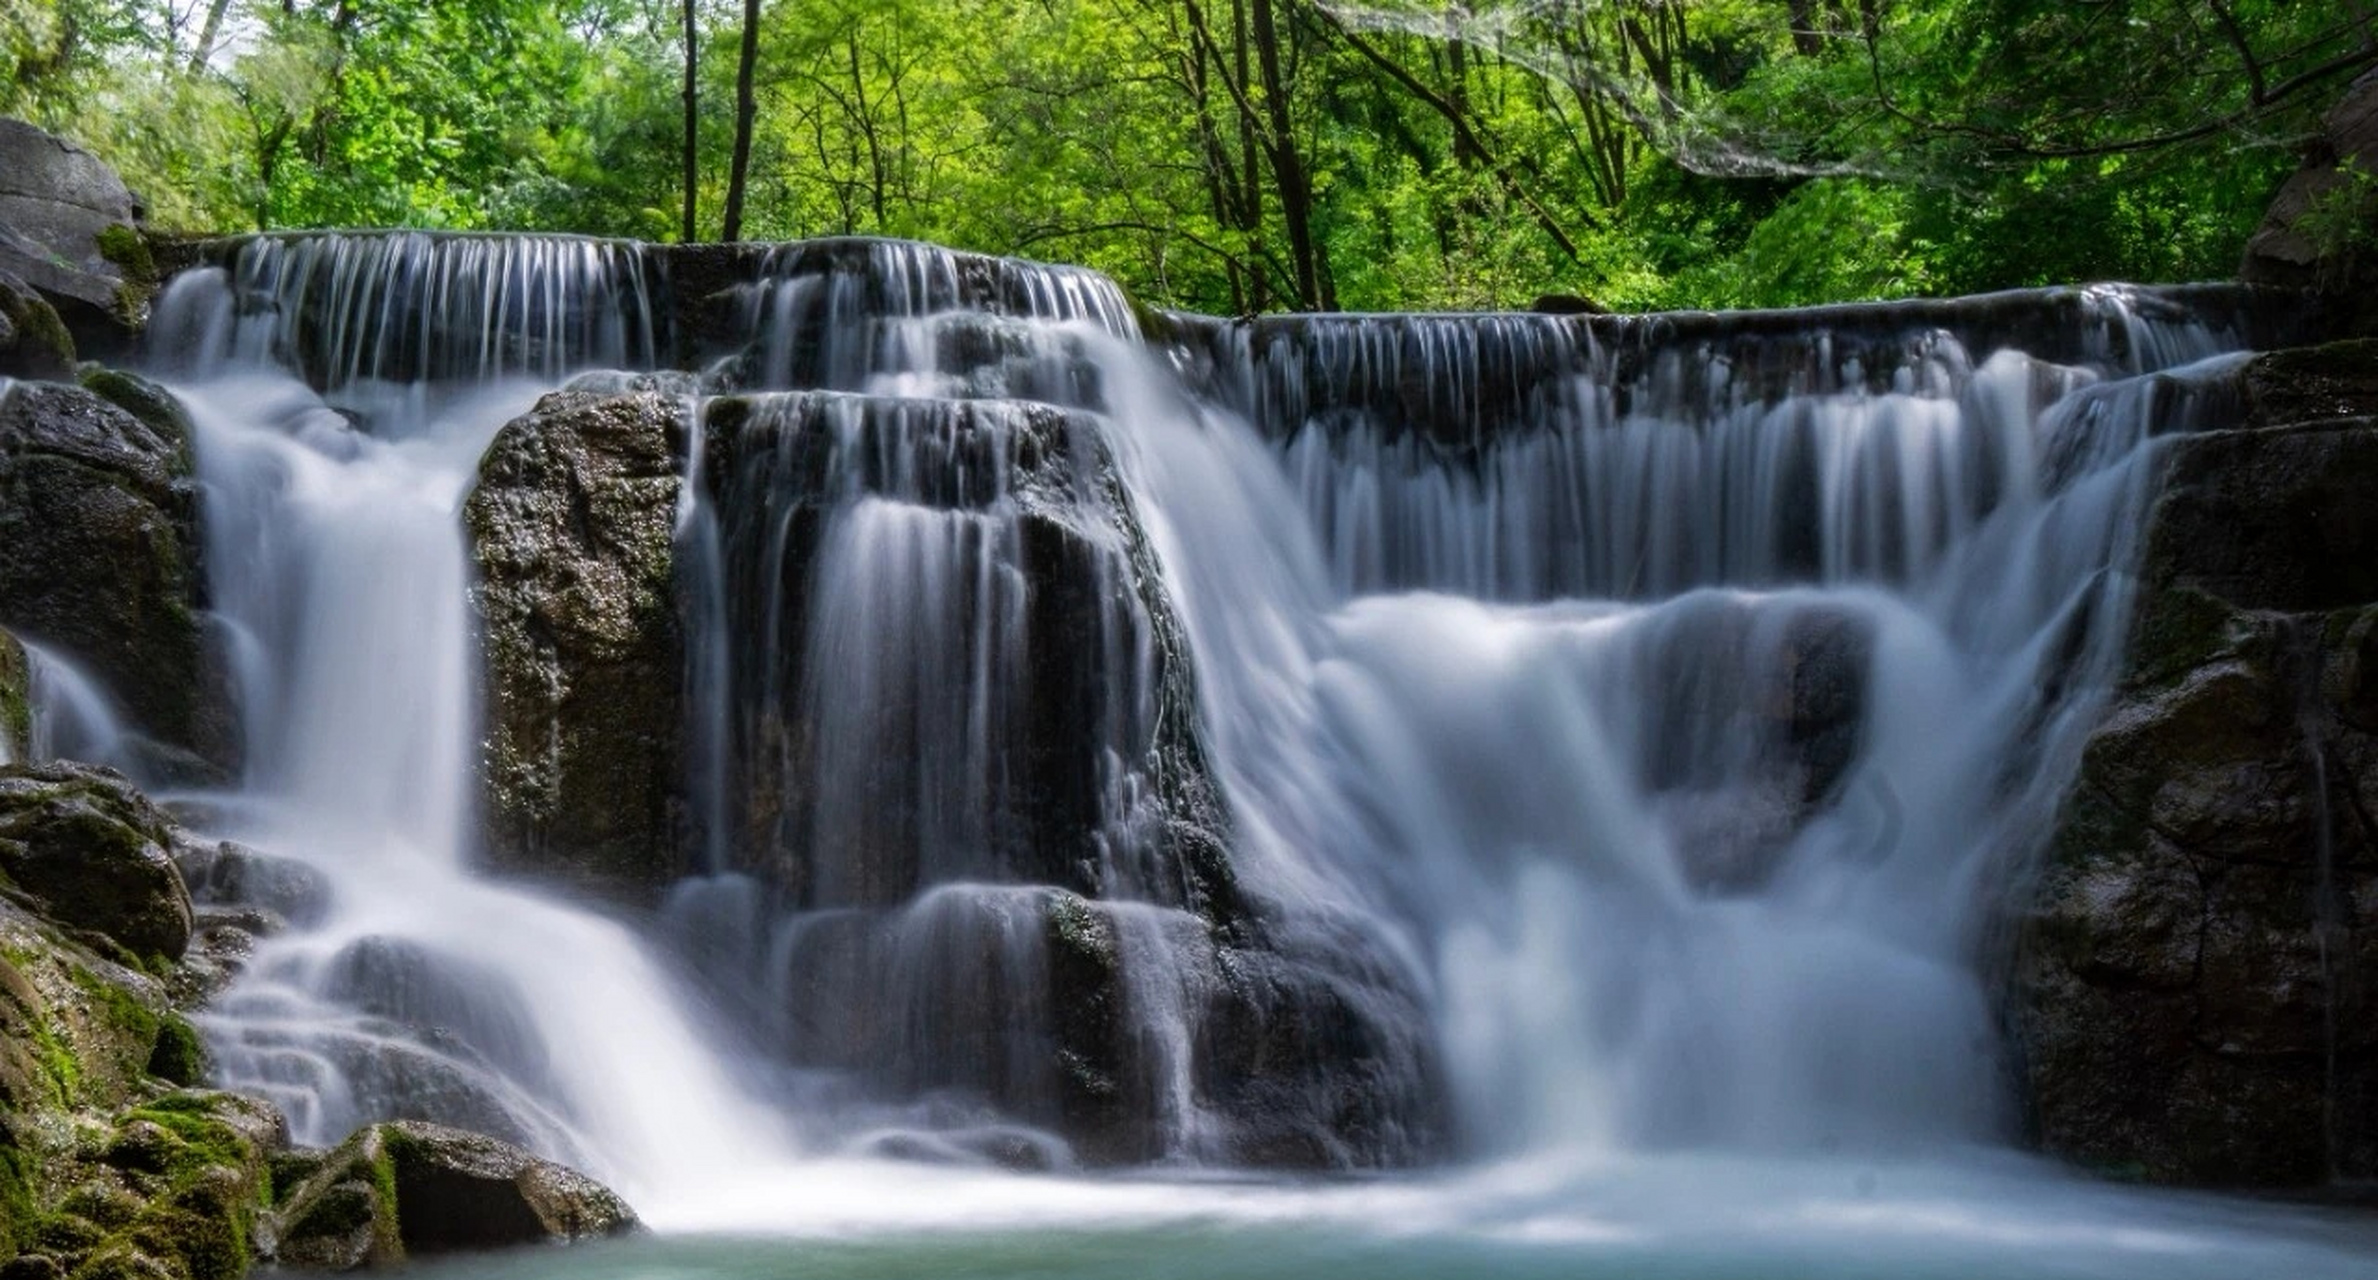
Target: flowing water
{"x": 1589, "y": 762}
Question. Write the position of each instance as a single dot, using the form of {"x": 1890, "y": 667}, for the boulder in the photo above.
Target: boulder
{"x": 2321, "y": 230}
{"x": 572, "y": 521}
{"x": 98, "y": 556}
{"x": 407, "y": 1189}
{"x": 80, "y": 845}
{"x": 70, "y": 229}
{"x": 2197, "y": 977}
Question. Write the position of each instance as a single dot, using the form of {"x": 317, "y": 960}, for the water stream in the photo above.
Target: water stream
{"x": 1585, "y": 761}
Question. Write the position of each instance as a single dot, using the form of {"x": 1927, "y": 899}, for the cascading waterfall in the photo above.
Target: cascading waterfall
{"x": 1713, "y": 813}
{"x": 341, "y": 572}
{"x": 1317, "y": 742}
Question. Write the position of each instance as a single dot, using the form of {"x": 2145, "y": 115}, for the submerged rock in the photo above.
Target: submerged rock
{"x": 2197, "y": 996}
{"x": 408, "y": 1189}
{"x": 571, "y": 523}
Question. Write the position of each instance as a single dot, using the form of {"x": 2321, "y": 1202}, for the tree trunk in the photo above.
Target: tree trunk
{"x": 745, "y": 109}
{"x": 685, "y": 227}
{"x": 1289, "y": 177}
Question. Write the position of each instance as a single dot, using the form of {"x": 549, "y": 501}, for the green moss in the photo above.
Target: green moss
{"x": 126, "y": 247}
{"x": 336, "y": 1212}
{"x": 180, "y": 1053}
{"x": 131, "y": 1026}
{"x": 37, "y": 323}
{"x": 59, "y": 1063}
{"x": 287, "y": 1170}
{"x": 16, "y": 704}
{"x": 211, "y": 1181}
{"x": 18, "y": 1213}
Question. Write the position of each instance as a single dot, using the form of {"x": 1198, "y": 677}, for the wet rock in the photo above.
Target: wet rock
{"x": 228, "y": 874}
{"x": 2197, "y": 979}
{"x": 409, "y": 1189}
{"x": 98, "y": 557}
{"x": 571, "y": 522}
{"x": 80, "y": 845}
{"x": 34, "y": 342}
{"x": 70, "y": 229}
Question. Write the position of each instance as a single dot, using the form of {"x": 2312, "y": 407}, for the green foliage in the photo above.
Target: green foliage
{"x": 1354, "y": 153}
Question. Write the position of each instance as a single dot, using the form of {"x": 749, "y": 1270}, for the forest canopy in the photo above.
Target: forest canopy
{"x": 1244, "y": 155}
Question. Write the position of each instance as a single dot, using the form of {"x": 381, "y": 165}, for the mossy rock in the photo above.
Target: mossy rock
{"x": 16, "y": 701}
{"x": 34, "y": 342}
{"x": 93, "y": 854}
{"x": 408, "y": 1188}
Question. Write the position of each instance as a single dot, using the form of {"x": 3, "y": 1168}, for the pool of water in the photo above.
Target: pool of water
{"x": 1667, "y": 1218}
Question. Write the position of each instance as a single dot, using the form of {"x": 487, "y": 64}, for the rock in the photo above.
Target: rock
{"x": 408, "y": 1188}
{"x": 2197, "y": 978}
{"x": 70, "y": 229}
{"x": 16, "y": 701}
{"x": 90, "y": 852}
{"x": 98, "y": 557}
{"x": 105, "y": 1166}
{"x": 2295, "y": 243}
{"x": 227, "y": 874}
{"x": 2321, "y": 230}
{"x": 34, "y": 342}
{"x": 572, "y": 520}
{"x": 1567, "y": 304}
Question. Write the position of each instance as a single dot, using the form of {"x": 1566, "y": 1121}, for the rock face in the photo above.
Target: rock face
{"x": 2321, "y": 231}
{"x": 572, "y": 521}
{"x": 408, "y": 1188}
{"x": 2197, "y": 994}
{"x": 98, "y": 556}
{"x": 70, "y": 229}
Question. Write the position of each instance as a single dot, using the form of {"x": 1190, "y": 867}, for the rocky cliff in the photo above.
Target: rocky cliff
{"x": 2198, "y": 980}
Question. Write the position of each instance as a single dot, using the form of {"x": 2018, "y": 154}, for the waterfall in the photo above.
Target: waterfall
{"x": 341, "y": 571}
{"x": 1325, "y": 742}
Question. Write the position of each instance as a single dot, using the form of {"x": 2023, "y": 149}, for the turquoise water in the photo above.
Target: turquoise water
{"x": 1984, "y": 1218}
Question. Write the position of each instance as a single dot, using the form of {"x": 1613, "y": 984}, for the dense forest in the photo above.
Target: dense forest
{"x": 1244, "y": 155}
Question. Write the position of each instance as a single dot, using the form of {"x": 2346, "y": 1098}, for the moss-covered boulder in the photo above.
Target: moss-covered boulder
{"x": 2197, "y": 995}
{"x": 80, "y": 846}
{"x": 109, "y": 1163}
{"x": 99, "y": 559}
{"x": 407, "y": 1189}
{"x": 571, "y": 521}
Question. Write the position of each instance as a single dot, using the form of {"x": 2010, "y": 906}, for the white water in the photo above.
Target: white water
{"x": 1531, "y": 733}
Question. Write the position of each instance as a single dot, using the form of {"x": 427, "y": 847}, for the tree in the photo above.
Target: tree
{"x": 746, "y": 107}
{"x": 687, "y": 232}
